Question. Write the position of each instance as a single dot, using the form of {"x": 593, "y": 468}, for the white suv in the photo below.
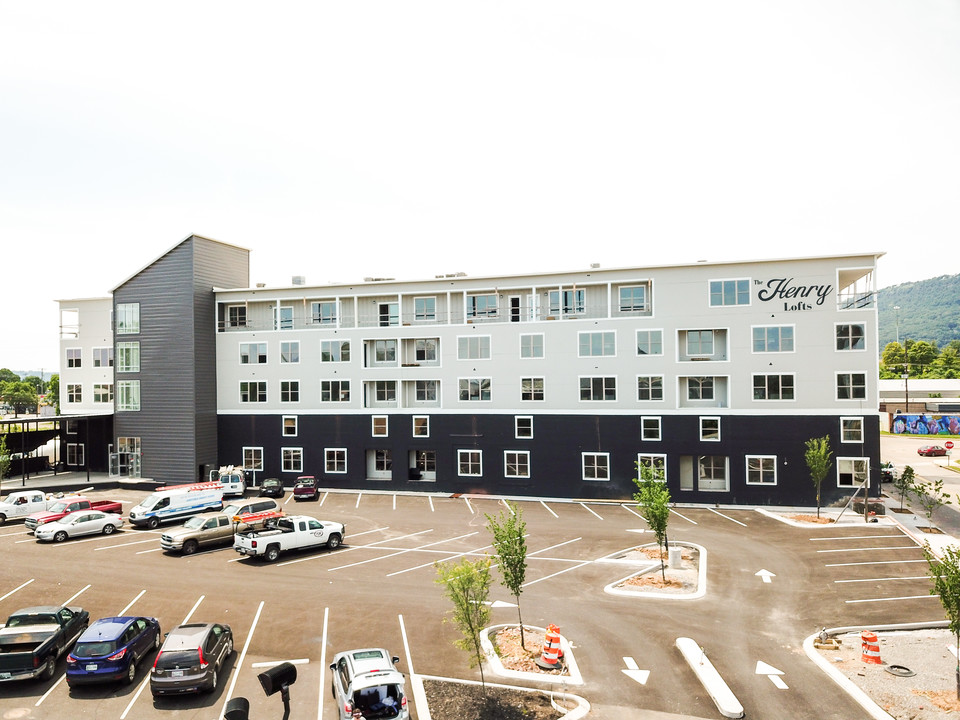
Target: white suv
{"x": 366, "y": 680}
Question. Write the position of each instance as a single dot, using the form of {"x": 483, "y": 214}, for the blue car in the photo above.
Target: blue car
{"x": 111, "y": 648}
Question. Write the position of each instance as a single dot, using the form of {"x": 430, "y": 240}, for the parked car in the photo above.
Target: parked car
{"x": 211, "y": 529}
{"x": 177, "y": 502}
{"x": 931, "y": 451}
{"x": 23, "y": 503}
{"x": 272, "y": 487}
{"x": 82, "y": 522}
{"x": 67, "y": 505}
{"x": 33, "y": 638}
{"x": 366, "y": 680}
{"x": 111, "y": 648}
{"x": 190, "y": 659}
{"x": 888, "y": 472}
{"x": 307, "y": 488}
{"x": 294, "y": 532}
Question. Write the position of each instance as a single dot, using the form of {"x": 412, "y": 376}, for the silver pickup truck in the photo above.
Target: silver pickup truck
{"x": 294, "y": 532}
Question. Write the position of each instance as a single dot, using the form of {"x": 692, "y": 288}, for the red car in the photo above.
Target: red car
{"x": 931, "y": 451}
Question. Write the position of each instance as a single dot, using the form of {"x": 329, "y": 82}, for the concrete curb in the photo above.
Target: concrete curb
{"x": 713, "y": 683}
{"x": 572, "y": 678}
{"x": 700, "y": 592}
{"x": 420, "y": 697}
{"x": 583, "y": 705}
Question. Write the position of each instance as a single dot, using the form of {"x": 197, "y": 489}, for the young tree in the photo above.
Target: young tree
{"x": 653, "y": 500}
{"x": 509, "y": 540}
{"x": 818, "y": 461}
{"x": 904, "y": 483}
{"x": 467, "y": 585}
{"x": 931, "y": 497}
{"x": 945, "y": 573}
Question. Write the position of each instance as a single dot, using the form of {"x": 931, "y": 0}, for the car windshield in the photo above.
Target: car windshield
{"x": 178, "y": 659}
{"x": 58, "y": 507}
{"x": 271, "y": 483}
{"x": 95, "y": 649}
{"x": 231, "y": 510}
{"x": 194, "y": 523}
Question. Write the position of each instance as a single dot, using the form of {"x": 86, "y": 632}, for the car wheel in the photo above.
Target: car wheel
{"x": 49, "y": 669}
{"x": 60, "y": 536}
{"x": 3, "y": 519}
{"x": 229, "y": 651}
{"x": 109, "y": 529}
{"x": 334, "y": 542}
{"x": 132, "y": 672}
{"x": 153, "y": 523}
{"x": 190, "y": 547}
{"x": 213, "y": 684}
{"x": 333, "y": 690}
{"x": 272, "y": 553}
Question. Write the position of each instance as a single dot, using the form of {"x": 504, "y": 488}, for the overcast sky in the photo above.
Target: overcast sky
{"x": 406, "y": 139}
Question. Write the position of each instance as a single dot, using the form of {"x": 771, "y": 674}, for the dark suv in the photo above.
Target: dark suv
{"x": 191, "y": 658}
{"x": 111, "y": 648}
{"x": 272, "y": 487}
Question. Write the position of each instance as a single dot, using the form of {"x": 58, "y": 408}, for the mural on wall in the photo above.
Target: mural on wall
{"x": 924, "y": 424}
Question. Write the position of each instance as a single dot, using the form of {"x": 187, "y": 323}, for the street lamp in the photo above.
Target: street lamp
{"x": 897, "y": 309}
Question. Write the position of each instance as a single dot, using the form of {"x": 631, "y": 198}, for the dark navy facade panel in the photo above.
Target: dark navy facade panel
{"x": 556, "y": 453}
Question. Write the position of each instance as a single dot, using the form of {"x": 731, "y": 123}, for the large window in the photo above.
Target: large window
{"x": 850, "y": 337}
{"x": 103, "y": 357}
{"x": 324, "y": 312}
{"x": 253, "y": 353}
{"x": 473, "y": 348}
{"x": 426, "y": 390}
{"x": 516, "y": 463}
{"x": 531, "y": 388}
{"x": 75, "y": 454}
{"x": 74, "y": 357}
{"x": 699, "y": 342}
{"x": 712, "y": 473}
{"x": 851, "y": 471}
{"x": 424, "y": 309}
{"x": 598, "y": 388}
{"x": 655, "y": 463}
{"x": 775, "y": 338}
{"x": 253, "y": 458}
{"x": 290, "y": 351}
{"x": 385, "y": 352}
{"x": 531, "y": 346}
{"x": 729, "y": 292}
{"x": 128, "y": 318}
{"x": 595, "y": 466}
{"x": 567, "y": 302}
{"x": 421, "y": 426}
{"x": 700, "y": 388}
{"x": 649, "y": 342}
{"x": 426, "y": 349}
{"x": 389, "y": 313}
{"x": 379, "y": 426}
{"x": 102, "y": 393}
{"x": 470, "y": 463}
{"x": 74, "y": 393}
{"x": 385, "y": 391}
{"x": 253, "y": 391}
{"x": 128, "y": 357}
{"x": 851, "y": 386}
{"x": 650, "y": 387}
{"x": 597, "y": 344}
{"x": 237, "y": 317}
{"x": 472, "y": 389}
{"x": 479, "y": 306}
{"x": 334, "y": 351}
{"x": 633, "y": 299}
{"x": 335, "y": 460}
{"x": 334, "y": 391}
{"x": 773, "y": 387}
{"x": 283, "y": 317}
{"x": 292, "y": 459}
{"x": 291, "y": 426}
{"x": 289, "y": 391}
{"x": 128, "y": 395}
{"x": 761, "y": 470}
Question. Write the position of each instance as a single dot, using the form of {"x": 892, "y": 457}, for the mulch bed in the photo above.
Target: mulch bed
{"x": 459, "y": 701}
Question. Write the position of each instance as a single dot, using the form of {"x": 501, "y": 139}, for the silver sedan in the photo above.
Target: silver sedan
{"x": 81, "y": 522}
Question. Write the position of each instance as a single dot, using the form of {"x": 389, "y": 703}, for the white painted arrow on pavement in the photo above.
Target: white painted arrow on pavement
{"x": 765, "y": 574}
{"x": 772, "y": 673}
{"x": 634, "y": 672}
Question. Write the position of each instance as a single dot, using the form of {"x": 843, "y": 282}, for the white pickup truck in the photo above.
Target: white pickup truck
{"x": 292, "y": 532}
{"x": 23, "y": 503}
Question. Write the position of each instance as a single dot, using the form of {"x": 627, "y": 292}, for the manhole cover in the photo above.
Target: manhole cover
{"x": 899, "y": 671}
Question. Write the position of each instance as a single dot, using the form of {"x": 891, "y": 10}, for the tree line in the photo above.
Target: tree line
{"x": 920, "y": 359}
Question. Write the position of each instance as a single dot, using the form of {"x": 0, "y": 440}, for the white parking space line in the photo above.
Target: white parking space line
{"x": 882, "y": 579}
{"x": 78, "y": 594}
{"x": 351, "y": 548}
{"x": 467, "y": 501}
{"x": 136, "y": 695}
{"x": 243, "y": 654}
{"x": 869, "y": 549}
{"x": 52, "y": 688}
{"x": 891, "y": 599}
{"x": 323, "y": 663}
{"x": 875, "y": 562}
{"x": 144, "y": 552}
{"x": 15, "y": 532}
{"x": 590, "y": 511}
{"x": 551, "y": 547}
{"x": 726, "y": 517}
{"x": 288, "y": 499}
{"x": 631, "y": 510}
{"x": 560, "y": 572}
{"x": 430, "y": 498}
{"x": 19, "y": 587}
{"x": 394, "y": 501}
{"x": 548, "y": 509}
{"x": 323, "y": 499}
{"x": 692, "y": 522}
{"x": 475, "y": 551}
{"x": 508, "y": 505}
{"x": 132, "y": 542}
{"x": 856, "y": 537}
{"x": 130, "y": 604}
{"x": 193, "y": 610}
{"x": 398, "y": 552}
{"x": 359, "y": 495}
{"x": 274, "y": 663}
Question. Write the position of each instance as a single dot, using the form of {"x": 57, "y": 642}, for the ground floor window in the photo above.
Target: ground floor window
{"x": 596, "y": 466}
{"x": 75, "y": 454}
{"x": 292, "y": 459}
{"x": 761, "y": 470}
{"x": 470, "y": 463}
{"x": 516, "y": 463}
{"x": 655, "y": 463}
{"x": 712, "y": 473}
{"x": 335, "y": 460}
{"x": 253, "y": 458}
{"x": 851, "y": 472}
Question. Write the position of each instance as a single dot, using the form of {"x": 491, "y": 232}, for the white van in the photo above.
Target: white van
{"x": 176, "y": 503}
{"x": 232, "y": 478}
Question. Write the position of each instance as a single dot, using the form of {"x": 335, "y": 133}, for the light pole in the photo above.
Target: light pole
{"x": 897, "y": 309}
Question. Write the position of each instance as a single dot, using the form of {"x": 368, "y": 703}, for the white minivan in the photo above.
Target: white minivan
{"x": 177, "y": 502}
{"x": 232, "y": 478}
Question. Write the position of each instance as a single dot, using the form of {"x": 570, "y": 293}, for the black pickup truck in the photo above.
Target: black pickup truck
{"x": 33, "y": 639}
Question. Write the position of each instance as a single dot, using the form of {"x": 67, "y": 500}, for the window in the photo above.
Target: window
{"x": 523, "y": 426}
{"x": 773, "y": 339}
{"x": 598, "y": 388}
{"x": 531, "y": 388}
{"x": 650, "y": 428}
{"x": 426, "y": 390}
{"x": 290, "y": 351}
{"x": 74, "y": 393}
{"x": 102, "y": 393}
{"x": 253, "y": 458}
{"x": 378, "y": 426}
{"x": 761, "y": 470}
{"x": 290, "y": 426}
{"x": 473, "y": 348}
{"x": 335, "y": 460}
{"x": 479, "y": 306}
{"x": 385, "y": 390}
{"x": 389, "y": 314}
{"x": 531, "y": 346}
{"x": 851, "y": 472}
{"x": 596, "y": 466}
{"x": 700, "y": 388}
{"x": 253, "y": 353}
{"x": 598, "y": 344}
{"x": 128, "y": 395}
{"x": 291, "y": 459}
{"x": 426, "y": 349}
{"x": 128, "y": 318}
{"x": 633, "y": 299}
{"x": 283, "y": 317}
{"x": 74, "y": 357}
{"x": 73, "y": 427}
{"x": 289, "y": 391}
{"x": 475, "y": 389}
{"x": 729, "y": 292}
{"x": 470, "y": 463}
{"x": 421, "y": 426}
{"x": 382, "y": 460}
{"x": 426, "y": 462}
{"x": 712, "y": 473}
{"x": 699, "y": 342}
{"x": 851, "y": 386}
{"x": 103, "y": 357}
{"x": 850, "y": 337}
{"x": 324, "y": 312}
{"x": 425, "y": 309}
{"x": 334, "y": 351}
{"x": 385, "y": 351}
{"x": 649, "y": 342}
{"x": 236, "y": 316}
{"x": 655, "y": 463}
{"x": 851, "y": 429}
{"x": 516, "y": 463}
{"x": 773, "y": 387}
{"x": 710, "y": 429}
{"x": 567, "y": 302}
{"x": 253, "y": 391}
{"x": 128, "y": 357}
{"x": 650, "y": 387}
{"x": 75, "y": 454}
{"x": 334, "y": 391}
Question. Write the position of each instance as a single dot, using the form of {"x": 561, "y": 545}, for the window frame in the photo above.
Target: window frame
{"x": 779, "y": 342}
{"x": 844, "y": 432}
{"x": 849, "y": 337}
{"x": 657, "y": 462}
{"x": 127, "y": 356}
{"x": 650, "y": 342}
{"x": 597, "y": 467}
{"x": 530, "y": 343}
{"x": 521, "y": 460}
{"x": 519, "y": 430}
{"x": 651, "y": 389}
{"x": 333, "y": 351}
{"x": 468, "y": 453}
{"x": 587, "y": 343}
{"x": 379, "y": 426}
{"x": 855, "y": 461}
{"x": 473, "y": 347}
{"x": 291, "y": 459}
{"x": 605, "y": 388}
{"x": 751, "y": 472}
{"x": 336, "y": 390}
{"x": 532, "y": 392}
{"x": 655, "y": 427}
{"x": 253, "y": 353}
{"x": 127, "y": 318}
{"x": 127, "y": 395}
{"x": 467, "y": 394}
{"x": 253, "y": 392}
{"x": 334, "y": 458}
{"x": 707, "y": 432}
{"x": 718, "y": 290}
{"x": 425, "y": 308}
{"x": 289, "y": 391}
{"x": 778, "y": 390}
{"x": 851, "y": 387}
{"x": 289, "y": 352}
{"x": 286, "y": 425}
{"x": 252, "y": 456}
{"x": 425, "y": 422}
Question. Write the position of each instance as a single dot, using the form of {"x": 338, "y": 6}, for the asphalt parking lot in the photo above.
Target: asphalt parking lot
{"x": 379, "y": 590}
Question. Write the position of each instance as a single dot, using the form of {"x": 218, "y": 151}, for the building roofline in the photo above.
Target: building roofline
{"x": 171, "y": 249}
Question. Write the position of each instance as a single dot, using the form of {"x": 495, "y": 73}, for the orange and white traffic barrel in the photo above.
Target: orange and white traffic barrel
{"x": 550, "y": 654}
{"x": 869, "y": 648}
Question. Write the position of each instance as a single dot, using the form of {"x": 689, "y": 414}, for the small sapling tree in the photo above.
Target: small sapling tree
{"x": 653, "y": 500}
{"x": 931, "y": 497}
{"x": 904, "y": 483}
{"x": 945, "y": 573}
{"x": 818, "y": 456}
{"x": 467, "y": 585}
{"x": 509, "y": 540}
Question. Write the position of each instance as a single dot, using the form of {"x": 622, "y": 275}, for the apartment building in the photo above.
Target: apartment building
{"x": 556, "y": 384}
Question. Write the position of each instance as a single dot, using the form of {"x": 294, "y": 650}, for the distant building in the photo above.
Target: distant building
{"x": 550, "y": 384}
